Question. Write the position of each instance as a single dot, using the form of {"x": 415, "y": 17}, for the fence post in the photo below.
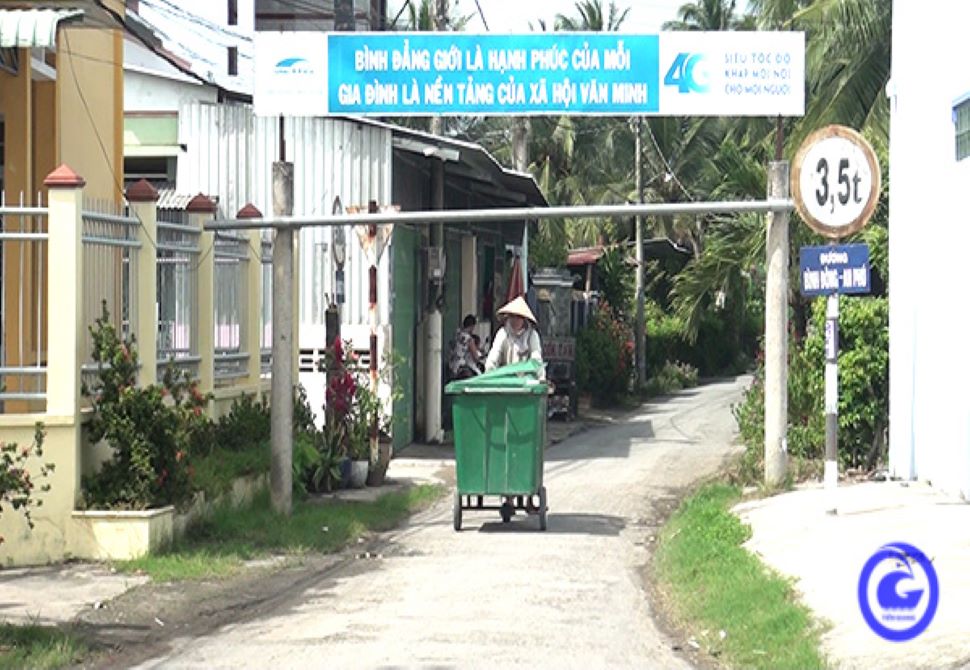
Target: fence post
{"x": 143, "y": 199}
{"x": 200, "y": 210}
{"x": 65, "y": 306}
{"x": 252, "y": 337}
{"x": 65, "y": 314}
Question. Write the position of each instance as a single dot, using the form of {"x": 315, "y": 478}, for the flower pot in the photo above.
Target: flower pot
{"x": 378, "y": 470}
{"x": 358, "y": 474}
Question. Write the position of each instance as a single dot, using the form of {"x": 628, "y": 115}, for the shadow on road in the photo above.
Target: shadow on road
{"x": 563, "y": 524}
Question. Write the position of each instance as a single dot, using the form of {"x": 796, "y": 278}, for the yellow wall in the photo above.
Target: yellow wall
{"x": 90, "y": 91}
{"x": 54, "y": 535}
{"x": 15, "y": 106}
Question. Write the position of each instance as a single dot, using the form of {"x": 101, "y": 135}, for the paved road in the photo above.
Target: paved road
{"x": 499, "y": 595}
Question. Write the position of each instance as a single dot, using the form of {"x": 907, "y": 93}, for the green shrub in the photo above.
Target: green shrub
{"x": 246, "y": 425}
{"x": 604, "y": 357}
{"x": 863, "y": 389}
{"x": 671, "y": 377}
{"x": 150, "y": 429}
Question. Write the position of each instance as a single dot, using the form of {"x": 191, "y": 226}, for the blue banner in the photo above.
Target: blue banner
{"x": 429, "y": 73}
{"x": 840, "y": 268}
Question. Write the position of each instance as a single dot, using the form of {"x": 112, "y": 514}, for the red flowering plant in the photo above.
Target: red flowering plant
{"x": 16, "y": 485}
{"x": 351, "y": 406}
{"x": 149, "y": 428}
{"x": 604, "y": 356}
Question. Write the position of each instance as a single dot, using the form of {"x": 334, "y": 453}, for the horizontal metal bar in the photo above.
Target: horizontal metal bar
{"x": 179, "y": 360}
{"x": 231, "y": 237}
{"x": 24, "y": 236}
{"x": 161, "y": 246}
{"x": 228, "y": 256}
{"x": 234, "y": 374}
{"x": 241, "y": 356}
{"x": 110, "y": 241}
{"x": 13, "y": 210}
{"x": 178, "y": 227}
{"x": 23, "y": 396}
{"x": 110, "y": 218}
{"x": 509, "y": 214}
{"x": 34, "y": 370}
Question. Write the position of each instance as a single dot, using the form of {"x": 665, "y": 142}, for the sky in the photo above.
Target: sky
{"x": 646, "y": 16}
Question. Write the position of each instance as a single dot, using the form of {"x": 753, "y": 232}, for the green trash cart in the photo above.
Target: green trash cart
{"x": 499, "y": 422}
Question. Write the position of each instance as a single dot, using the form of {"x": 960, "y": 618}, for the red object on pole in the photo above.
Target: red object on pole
{"x": 515, "y": 281}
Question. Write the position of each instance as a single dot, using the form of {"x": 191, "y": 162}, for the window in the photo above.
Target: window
{"x": 961, "y": 122}
{"x": 233, "y": 14}
{"x": 233, "y": 61}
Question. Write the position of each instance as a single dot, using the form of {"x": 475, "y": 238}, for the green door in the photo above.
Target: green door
{"x": 404, "y": 324}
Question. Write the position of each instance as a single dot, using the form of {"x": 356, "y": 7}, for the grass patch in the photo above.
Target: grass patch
{"x": 38, "y": 647}
{"x": 715, "y": 584}
{"x": 215, "y": 472}
{"x": 219, "y": 545}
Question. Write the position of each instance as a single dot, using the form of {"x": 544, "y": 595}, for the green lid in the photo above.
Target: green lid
{"x": 516, "y": 378}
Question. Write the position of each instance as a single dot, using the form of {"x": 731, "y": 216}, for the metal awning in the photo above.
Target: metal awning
{"x": 30, "y": 28}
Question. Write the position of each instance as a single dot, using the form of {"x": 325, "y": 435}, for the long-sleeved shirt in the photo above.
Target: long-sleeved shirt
{"x": 508, "y": 349}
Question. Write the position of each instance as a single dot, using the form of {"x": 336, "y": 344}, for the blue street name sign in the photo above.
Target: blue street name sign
{"x": 840, "y": 268}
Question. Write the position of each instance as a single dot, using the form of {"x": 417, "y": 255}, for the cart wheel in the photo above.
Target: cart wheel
{"x": 506, "y": 510}
{"x": 543, "y": 507}
{"x": 456, "y": 511}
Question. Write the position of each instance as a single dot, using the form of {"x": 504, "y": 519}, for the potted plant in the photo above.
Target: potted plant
{"x": 150, "y": 430}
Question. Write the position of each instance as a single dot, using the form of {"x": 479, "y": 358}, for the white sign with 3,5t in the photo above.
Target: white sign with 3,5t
{"x": 835, "y": 181}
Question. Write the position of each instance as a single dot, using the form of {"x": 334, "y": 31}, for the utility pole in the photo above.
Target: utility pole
{"x": 776, "y": 330}
{"x": 434, "y": 329}
{"x": 640, "y": 351}
{"x": 520, "y": 160}
{"x": 281, "y": 410}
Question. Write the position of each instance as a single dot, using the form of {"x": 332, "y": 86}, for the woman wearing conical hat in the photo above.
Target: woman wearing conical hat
{"x": 517, "y": 340}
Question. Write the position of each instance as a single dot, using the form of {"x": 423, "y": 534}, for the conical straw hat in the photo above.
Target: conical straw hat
{"x": 518, "y": 307}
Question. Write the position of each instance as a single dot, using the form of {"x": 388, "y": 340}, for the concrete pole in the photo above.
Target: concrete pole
{"x": 281, "y": 410}
{"x": 640, "y": 351}
{"x": 520, "y": 158}
{"x": 433, "y": 340}
{"x": 776, "y": 330}
{"x": 201, "y": 209}
{"x": 832, "y": 393}
{"x": 373, "y": 317}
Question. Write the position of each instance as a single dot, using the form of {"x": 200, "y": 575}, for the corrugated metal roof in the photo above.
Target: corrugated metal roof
{"x": 29, "y": 28}
{"x": 169, "y": 198}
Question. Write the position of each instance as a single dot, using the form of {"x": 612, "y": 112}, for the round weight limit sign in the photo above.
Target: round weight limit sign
{"x": 835, "y": 181}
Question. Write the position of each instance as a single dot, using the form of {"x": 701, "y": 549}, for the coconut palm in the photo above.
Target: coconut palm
{"x": 706, "y": 15}
{"x": 591, "y": 17}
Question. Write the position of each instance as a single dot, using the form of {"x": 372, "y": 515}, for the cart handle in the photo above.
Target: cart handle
{"x": 497, "y": 391}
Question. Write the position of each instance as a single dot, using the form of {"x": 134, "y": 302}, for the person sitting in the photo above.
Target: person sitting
{"x": 465, "y": 359}
{"x": 517, "y": 340}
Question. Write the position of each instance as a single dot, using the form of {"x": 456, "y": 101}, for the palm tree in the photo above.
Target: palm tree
{"x": 591, "y": 17}
{"x": 705, "y": 15}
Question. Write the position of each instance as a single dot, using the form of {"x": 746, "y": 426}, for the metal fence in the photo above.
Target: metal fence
{"x": 109, "y": 236}
{"x": 177, "y": 289}
{"x": 231, "y": 261}
{"x": 23, "y": 310}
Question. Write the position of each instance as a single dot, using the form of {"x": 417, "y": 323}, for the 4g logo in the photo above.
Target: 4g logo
{"x": 685, "y": 75}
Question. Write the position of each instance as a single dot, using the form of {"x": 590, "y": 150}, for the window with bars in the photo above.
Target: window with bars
{"x": 961, "y": 122}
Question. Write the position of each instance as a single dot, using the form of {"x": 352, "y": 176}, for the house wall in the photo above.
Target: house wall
{"x": 145, "y": 92}
{"x": 929, "y": 363}
{"x": 229, "y": 154}
{"x": 16, "y": 104}
{"x": 90, "y": 99}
